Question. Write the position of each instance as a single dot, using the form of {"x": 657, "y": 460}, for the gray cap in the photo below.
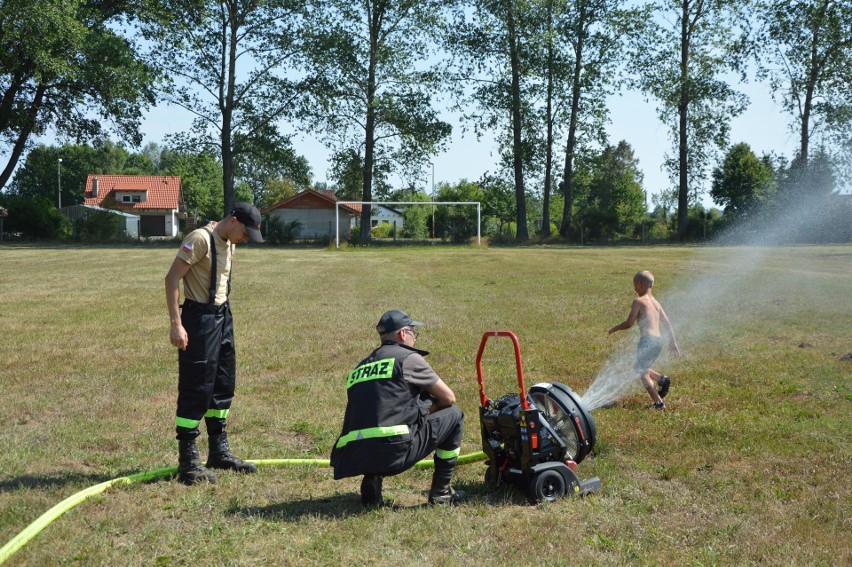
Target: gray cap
{"x": 394, "y": 320}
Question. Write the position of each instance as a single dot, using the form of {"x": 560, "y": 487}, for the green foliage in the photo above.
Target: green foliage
{"x": 806, "y": 58}
{"x": 99, "y": 226}
{"x": 201, "y": 180}
{"x": 682, "y": 59}
{"x": 279, "y": 232}
{"x": 227, "y": 63}
{"x": 610, "y": 199}
{"x": 417, "y": 219}
{"x": 369, "y": 82}
{"x": 385, "y": 230}
{"x": 347, "y": 174}
{"x": 743, "y": 181}
{"x": 457, "y": 223}
{"x": 67, "y": 66}
{"x": 34, "y": 218}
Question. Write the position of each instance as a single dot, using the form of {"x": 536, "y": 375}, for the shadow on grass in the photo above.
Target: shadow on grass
{"x": 63, "y": 478}
{"x": 347, "y": 505}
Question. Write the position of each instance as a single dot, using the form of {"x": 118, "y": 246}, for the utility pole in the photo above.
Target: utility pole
{"x": 59, "y": 182}
{"x": 433, "y": 200}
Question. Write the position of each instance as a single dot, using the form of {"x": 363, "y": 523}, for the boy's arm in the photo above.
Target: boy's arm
{"x": 631, "y": 318}
{"x": 672, "y": 340}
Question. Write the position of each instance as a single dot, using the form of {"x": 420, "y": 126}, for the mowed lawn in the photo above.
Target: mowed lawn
{"x": 751, "y": 464}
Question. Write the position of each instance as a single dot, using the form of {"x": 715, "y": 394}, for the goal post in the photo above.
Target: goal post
{"x": 433, "y": 203}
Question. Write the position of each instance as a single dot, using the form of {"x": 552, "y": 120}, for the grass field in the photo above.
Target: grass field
{"x": 751, "y": 464}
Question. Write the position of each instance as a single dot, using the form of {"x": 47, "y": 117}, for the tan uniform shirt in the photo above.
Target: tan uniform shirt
{"x": 195, "y": 251}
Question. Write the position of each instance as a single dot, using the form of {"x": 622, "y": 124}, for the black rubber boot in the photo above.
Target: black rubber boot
{"x": 221, "y": 457}
{"x": 441, "y": 492}
{"x": 371, "y": 491}
{"x": 190, "y": 470}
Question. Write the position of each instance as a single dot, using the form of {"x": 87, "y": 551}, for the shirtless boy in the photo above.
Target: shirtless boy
{"x": 648, "y": 312}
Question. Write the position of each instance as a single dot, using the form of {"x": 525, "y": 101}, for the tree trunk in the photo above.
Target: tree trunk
{"x": 226, "y": 97}
{"x": 683, "y": 113}
{"x": 570, "y": 146}
{"x": 26, "y": 130}
{"x": 548, "y": 160}
{"x": 813, "y": 75}
{"x": 517, "y": 146}
{"x": 370, "y": 125}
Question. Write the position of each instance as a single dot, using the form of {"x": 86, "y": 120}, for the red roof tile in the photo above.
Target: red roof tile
{"x": 310, "y": 199}
{"x": 163, "y": 192}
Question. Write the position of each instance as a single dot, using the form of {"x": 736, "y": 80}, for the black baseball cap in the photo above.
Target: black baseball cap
{"x": 248, "y": 214}
{"x": 394, "y": 320}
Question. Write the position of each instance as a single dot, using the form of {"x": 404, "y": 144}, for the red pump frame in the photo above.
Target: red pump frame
{"x": 518, "y": 365}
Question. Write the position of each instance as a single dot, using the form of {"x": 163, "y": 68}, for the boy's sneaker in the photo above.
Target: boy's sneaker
{"x": 659, "y": 406}
{"x": 663, "y": 385}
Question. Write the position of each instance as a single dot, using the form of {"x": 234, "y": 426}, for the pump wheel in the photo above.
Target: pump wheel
{"x": 547, "y": 486}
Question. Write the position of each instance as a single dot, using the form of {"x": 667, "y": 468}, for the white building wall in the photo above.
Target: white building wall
{"x": 172, "y": 224}
{"x": 316, "y": 223}
{"x": 382, "y": 214}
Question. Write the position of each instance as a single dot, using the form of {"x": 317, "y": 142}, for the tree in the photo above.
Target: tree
{"x": 226, "y": 61}
{"x": 368, "y": 62}
{"x": 742, "y": 181}
{"x": 806, "y": 57}
{"x": 594, "y": 31}
{"x": 272, "y": 171}
{"x": 201, "y": 180}
{"x": 681, "y": 65}
{"x": 612, "y": 202}
{"x": 492, "y": 42}
{"x": 64, "y": 65}
{"x": 498, "y": 200}
{"x": 38, "y": 175}
{"x": 416, "y": 218}
{"x": 457, "y": 222}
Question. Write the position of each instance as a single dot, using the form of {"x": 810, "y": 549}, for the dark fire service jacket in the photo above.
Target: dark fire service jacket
{"x": 382, "y": 415}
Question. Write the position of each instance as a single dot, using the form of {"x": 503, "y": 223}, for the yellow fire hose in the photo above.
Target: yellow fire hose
{"x": 48, "y": 517}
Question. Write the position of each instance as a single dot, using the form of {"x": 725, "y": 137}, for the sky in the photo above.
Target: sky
{"x": 764, "y": 126}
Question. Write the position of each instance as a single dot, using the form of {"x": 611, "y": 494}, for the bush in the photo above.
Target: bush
{"x": 35, "y": 218}
{"x": 279, "y": 232}
{"x": 383, "y": 230}
{"x": 99, "y": 226}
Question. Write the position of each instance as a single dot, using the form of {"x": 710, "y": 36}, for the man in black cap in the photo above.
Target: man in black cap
{"x": 398, "y": 411}
{"x": 203, "y": 331}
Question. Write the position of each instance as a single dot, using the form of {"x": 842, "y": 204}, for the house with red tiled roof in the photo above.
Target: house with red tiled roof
{"x": 315, "y": 212}
{"x": 157, "y": 199}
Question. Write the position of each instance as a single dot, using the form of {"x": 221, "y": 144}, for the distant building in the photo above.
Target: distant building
{"x": 384, "y": 213}
{"x": 128, "y": 227}
{"x": 315, "y": 212}
{"x": 156, "y": 199}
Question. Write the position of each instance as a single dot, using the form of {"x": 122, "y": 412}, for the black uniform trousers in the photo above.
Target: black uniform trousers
{"x": 442, "y": 430}
{"x": 207, "y": 368}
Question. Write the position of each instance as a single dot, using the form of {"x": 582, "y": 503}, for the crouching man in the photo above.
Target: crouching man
{"x": 398, "y": 411}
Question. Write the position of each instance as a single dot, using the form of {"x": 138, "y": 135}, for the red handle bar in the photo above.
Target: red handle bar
{"x": 518, "y": 365}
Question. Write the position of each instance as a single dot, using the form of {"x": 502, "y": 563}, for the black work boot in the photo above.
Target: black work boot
{"x": 371, "y": 491}
{"x": 221, "y": 457}
{"x": 663, "y": 385}
{"x": 190, "y": 470}
{"x": 441, "y": 492}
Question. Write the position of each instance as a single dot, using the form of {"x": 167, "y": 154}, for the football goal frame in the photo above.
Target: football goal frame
{"x": 433, "y": 203}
